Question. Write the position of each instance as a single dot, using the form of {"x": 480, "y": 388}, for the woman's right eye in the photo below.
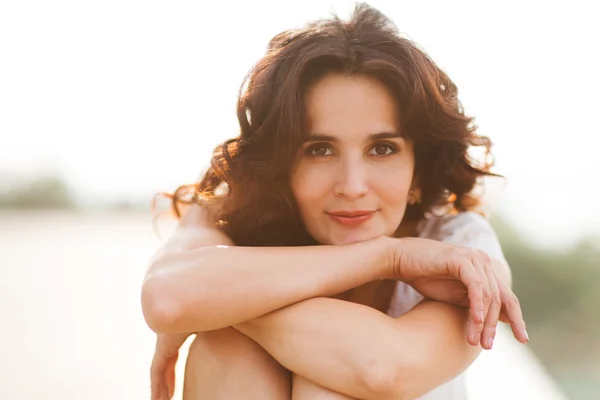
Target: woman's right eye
{"x": 319, "y": 150}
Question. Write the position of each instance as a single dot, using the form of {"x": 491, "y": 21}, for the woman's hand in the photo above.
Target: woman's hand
{"x": 162, "y": 371}
{"x": 460, "y": 276}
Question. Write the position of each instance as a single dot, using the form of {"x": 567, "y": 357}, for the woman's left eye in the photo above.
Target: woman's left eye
{"x": 383, "y": 149}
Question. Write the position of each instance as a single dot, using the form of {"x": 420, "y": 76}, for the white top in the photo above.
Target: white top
{"x": 467, "y": 229}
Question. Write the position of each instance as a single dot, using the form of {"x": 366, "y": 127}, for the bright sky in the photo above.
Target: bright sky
{"x": 126, "y": 98}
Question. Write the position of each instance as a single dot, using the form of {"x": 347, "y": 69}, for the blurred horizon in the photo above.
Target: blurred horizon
{"x": 50, "y": 190}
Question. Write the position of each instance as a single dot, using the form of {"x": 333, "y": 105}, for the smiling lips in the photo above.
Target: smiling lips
{"x": 351, "y": 218}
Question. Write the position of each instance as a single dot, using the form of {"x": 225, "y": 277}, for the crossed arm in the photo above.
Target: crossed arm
{"x": 353, "y": 349}
{"x": 362, "y": 353}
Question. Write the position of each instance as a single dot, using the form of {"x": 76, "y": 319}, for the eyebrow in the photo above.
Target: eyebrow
{"x": 319, "y": 137}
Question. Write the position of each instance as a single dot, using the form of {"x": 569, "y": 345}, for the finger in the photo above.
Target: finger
{"x": 512, "y": 308}
{"x": 157, "y": 391}
{"x": 503, "y": 316}
{"x": 170, "y": 378}
{"x": 467, "y": 274}
{"x": 157, "y": 380}
{"x": 154, "y": 384}
{"x": 477, "y": 327}
{"x": 491, "y": 320}
{"x": 169, "y": 388}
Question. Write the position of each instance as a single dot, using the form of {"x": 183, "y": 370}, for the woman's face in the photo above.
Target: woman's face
{"x": 352, "y": 177}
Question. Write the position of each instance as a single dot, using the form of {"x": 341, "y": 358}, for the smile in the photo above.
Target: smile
{"x": 351, "y": 218}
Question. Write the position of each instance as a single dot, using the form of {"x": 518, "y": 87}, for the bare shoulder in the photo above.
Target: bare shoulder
{"x": 196, "y": 216}
{"x": 196, "y": 228}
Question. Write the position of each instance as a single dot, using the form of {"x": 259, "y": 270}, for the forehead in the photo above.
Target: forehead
{"x": 342, "y": 105}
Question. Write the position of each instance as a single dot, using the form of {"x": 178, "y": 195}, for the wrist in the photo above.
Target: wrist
{"x": 386, "y": 249}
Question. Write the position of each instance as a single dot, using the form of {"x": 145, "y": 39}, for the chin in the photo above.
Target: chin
{"x": 351, "y": 237}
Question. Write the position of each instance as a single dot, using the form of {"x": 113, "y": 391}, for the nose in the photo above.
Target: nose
{"x": 351, "y": 182}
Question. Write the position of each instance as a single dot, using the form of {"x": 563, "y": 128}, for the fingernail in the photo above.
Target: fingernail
{"x": 474, "y": 341}
{"x": 526, "y": 335}
{"x": 480, "y": 316}
{"x": 490, "y": 342}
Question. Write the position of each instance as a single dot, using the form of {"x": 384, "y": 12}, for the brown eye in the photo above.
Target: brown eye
{"x": 383, "y": 149}
{"x": 319, "y": 150}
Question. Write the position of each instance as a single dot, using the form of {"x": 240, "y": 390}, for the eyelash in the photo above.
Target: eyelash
{"x": 308, "y": 151}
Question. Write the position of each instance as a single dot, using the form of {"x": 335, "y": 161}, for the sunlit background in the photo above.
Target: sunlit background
{"x": 102, "y": 104}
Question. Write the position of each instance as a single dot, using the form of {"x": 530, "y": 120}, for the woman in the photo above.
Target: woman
{"x": 348, "y": 196}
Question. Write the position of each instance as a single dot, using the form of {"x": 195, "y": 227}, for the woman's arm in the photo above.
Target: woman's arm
{"x": 198, "y": 281}
{"x": 195, "y": 284}
{"x": 362, "y": 353}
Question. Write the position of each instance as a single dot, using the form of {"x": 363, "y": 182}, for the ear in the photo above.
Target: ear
{"x": 414, "y": 196}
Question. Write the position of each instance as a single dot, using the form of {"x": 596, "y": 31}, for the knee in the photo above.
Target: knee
{"x": 305, "y": 389}
{"x": 225, "y": 364}
{"x": 224, "y": 345}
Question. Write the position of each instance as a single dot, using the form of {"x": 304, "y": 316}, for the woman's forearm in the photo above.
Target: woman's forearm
{"x": 213, "y": 287}
{"x": 362, "y": 353}
{"x": 320, "y": 340}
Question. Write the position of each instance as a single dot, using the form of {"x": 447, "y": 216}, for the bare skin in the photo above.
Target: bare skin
{"x": 366, "y": 294}
{"x": 215, "y": 371}
{"x": 226, "y": 364}
{"x": 356, "y": 160}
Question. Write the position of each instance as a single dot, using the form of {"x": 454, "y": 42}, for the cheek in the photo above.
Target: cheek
{"x": 400, "y": 195}
{"x": 393, "y": 192}
{"x": 308, "y": 187}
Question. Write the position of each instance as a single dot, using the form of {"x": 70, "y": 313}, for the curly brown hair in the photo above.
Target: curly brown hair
{"x": 256, "y": 207}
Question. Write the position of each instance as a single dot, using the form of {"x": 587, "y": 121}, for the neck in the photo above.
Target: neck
{"x": 407, "y": 229}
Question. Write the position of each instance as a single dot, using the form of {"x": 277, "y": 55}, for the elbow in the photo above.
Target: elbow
{"x": 389, "y": 382}
{"x": 171, "y": 298}
{"x": 160, "y": 311}
{"x": 167, "y": 309}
